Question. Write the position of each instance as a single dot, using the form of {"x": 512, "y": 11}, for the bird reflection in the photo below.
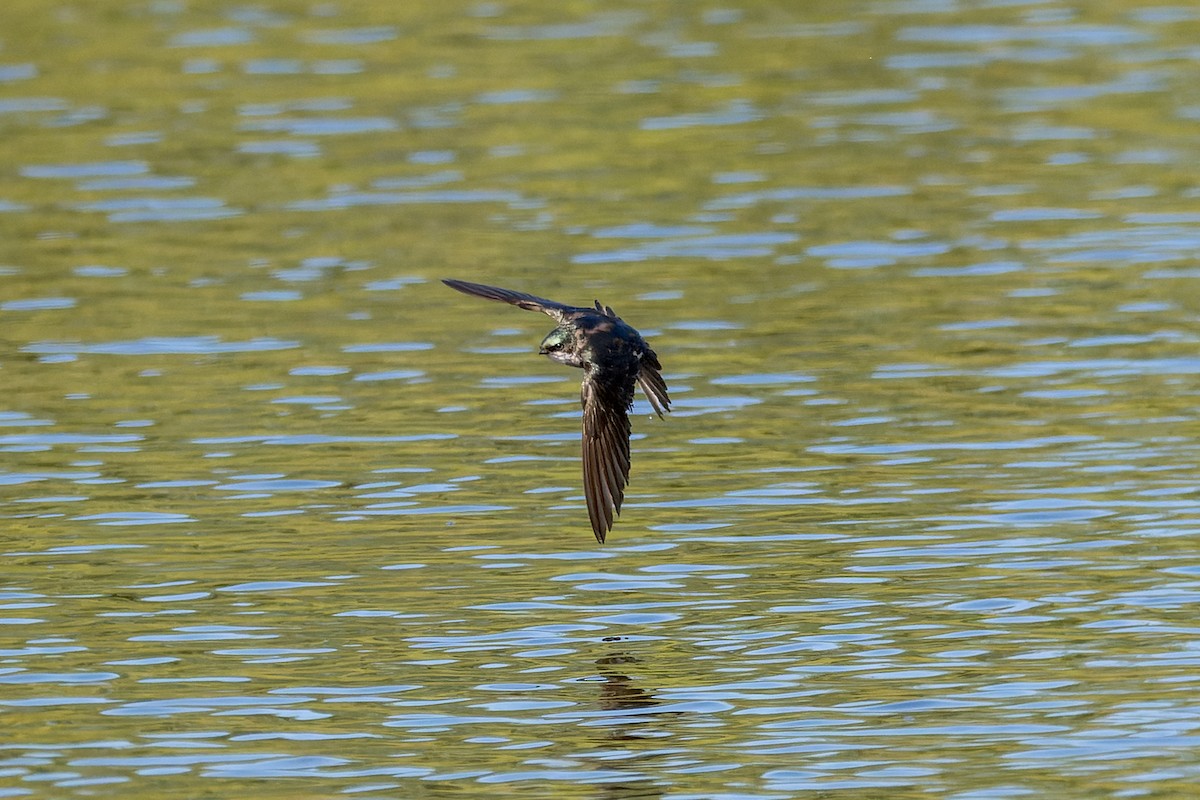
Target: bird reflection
{"x": 619, "y": 693}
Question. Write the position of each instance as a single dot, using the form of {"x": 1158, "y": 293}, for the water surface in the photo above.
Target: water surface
{"x": 283, "y": 515}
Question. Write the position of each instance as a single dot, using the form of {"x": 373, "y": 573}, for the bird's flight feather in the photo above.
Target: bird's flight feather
{"x": 528, "y": 302}
{"x": 614, "y": 357}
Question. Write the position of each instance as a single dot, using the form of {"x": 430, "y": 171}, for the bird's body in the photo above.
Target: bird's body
{"x": 614, "y": 357}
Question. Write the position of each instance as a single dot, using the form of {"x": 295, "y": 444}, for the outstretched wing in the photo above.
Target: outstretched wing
{"x": 651, "y": 380}
{"x": 529, "y": 302}
{"x": 605, "y": 450}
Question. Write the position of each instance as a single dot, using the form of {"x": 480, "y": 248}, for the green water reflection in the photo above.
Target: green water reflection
{"x": 284, "y": 515}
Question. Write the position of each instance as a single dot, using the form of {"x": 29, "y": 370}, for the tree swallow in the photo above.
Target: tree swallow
{"x": 613, "y": 357}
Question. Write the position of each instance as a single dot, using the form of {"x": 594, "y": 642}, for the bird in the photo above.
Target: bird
{"x": 614, "y": 357}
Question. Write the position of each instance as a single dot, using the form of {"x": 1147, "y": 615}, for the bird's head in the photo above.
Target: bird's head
{"x": 559, "y": 345}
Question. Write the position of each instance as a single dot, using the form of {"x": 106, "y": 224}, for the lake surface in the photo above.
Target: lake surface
{"x": 285, "y": 517}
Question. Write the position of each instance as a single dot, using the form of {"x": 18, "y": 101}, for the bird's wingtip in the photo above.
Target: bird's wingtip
{"x": 466, "y": 287}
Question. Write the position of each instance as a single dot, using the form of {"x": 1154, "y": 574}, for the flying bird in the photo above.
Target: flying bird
{"x": 613, "y": 357}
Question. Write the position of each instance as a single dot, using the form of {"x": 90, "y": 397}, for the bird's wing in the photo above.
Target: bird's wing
{"x": 649, "y": 371}
{"x": 605, "y": 450}
{"x": 651, "y": 380}
{"x": 529, "y": 302}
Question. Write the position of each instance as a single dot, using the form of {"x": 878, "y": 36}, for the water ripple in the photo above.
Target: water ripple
{"x": 353, "y": 36}
{"x": 750, "y": 199}
{"x": 602, "y": 24}
{"x": 446, "y": 196}
{"x": 162, "y": 209}
{"x": 1061, "y": 35}
{"x": 322, "y": 439}
{"x": 88, "y": 169}
{"x": 163, "y": 345}
{"x": 716, "y": 248}
{"x": 321, "y": 126}
{"x": 736, "y": 112}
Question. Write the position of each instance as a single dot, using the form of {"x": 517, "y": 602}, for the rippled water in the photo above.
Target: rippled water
{"x": 283, "y": 515}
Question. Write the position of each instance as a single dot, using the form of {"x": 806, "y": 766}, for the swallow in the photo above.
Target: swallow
{"x": 614, "y": 357}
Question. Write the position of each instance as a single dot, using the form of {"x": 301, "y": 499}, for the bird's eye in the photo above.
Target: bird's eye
{"x": 554, "y": 346}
